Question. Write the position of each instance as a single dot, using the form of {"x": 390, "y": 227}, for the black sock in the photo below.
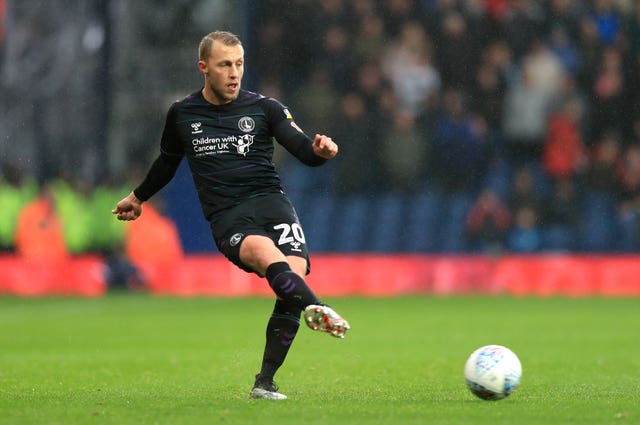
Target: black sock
{"x": 281, "y": 330}
{"x": 289, "y": 286}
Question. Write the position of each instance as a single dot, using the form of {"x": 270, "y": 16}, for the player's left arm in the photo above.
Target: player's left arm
{"x": 310, "y": 152}
{"x": 286, "y": 132}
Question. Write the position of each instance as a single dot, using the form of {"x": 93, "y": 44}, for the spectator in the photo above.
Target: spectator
{"x": 520, "y": 24}
{"x": 458, "y": 51}
{"x": 407, "y": 64}
{"x": 396, "y": 13}
{"x": 73, "y": 200}
{"x": 544, "y": 68}
{"x": 317, "y": 101}
{"x": 16, "y": 190}
{"x": 561, "y": 216}
{"x": 370, "y": 84}
{"x": 629, "y": 199}
{"x": 404, "y": 153}
{"x": 108, "y": 234}
{"x": 601, "y": 175}
{"x": 488, "y": 95}
{"x": 39, "y": 234}
{"x": 607, "y": 22}
{"x": 488, "y": 222}
{"x": 590, "y": 51}
{"x": 359, "y": 138}
{"x": 563, "y": 150}
{"x": 524, "y": 121}
{"x": 370, "y": 38}
{"x": 564, "y": 49}
{"x": 153, "y": 238}
{"x": 609, "y": 91}
{"x": 498, "y": 55}
{"x": 461, "y": 150}
{"x": 525, "y": 236}
{"x": 337, "y": 57}
{"x": 524, "y": 193}
{"x": 564, "y": 16}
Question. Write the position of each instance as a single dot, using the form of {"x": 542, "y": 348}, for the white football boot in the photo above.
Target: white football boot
{"x": 322, "y": 318}
{"x": 266, "y": 390}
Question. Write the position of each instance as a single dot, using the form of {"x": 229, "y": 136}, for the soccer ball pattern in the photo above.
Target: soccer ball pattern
{"x": 493, "y": 372}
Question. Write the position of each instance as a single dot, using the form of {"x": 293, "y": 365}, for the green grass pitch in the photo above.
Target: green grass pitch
{"x": 138, "y": 359}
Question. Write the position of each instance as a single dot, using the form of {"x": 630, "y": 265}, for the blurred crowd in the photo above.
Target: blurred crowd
{"x": 57, "y": 219}
{"x": 514, "y": 123}
{"x": 523, "y": 114}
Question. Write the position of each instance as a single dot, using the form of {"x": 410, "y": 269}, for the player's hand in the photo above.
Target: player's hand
{"x": 324, "y": 147}
{"x": 128, "y": 208}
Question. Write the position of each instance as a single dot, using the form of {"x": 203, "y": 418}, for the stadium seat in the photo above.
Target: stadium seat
{"x": 351, "y": 224}
{"x": 388, "y": 216}
{"x": 453, "y": 225}
{"x": 598, "y": 231}
{"x": 559, "y": 238}
{"x": 421, "y": 223}
{"x": 316, "y": 213}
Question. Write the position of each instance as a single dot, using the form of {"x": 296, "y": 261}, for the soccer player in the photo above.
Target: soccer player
{"x": 226, "y": 134}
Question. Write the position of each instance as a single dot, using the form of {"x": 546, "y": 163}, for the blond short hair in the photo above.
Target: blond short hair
{"x": 225, "y": 37}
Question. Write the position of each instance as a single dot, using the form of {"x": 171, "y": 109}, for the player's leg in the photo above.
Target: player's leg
{"x": 319, "y": 317}
{"x": 280, "y": 333}
{"x": 261, "y": 254}
{"x": 285, "y": 276}
{"x": 281, "y": 330}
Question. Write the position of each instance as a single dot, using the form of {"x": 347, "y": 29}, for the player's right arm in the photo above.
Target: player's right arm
{"x": 128, "y": 208}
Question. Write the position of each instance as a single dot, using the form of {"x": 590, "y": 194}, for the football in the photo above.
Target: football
{"x": 493, "y": 372}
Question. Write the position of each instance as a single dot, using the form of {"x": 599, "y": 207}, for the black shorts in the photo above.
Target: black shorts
{"x": 270, "y": 215}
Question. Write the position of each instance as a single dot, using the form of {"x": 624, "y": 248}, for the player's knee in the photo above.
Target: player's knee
{"x": 259, "y": 252}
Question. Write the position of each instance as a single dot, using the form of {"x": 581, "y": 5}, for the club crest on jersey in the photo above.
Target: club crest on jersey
{"x": 235, "y": 239}
{"x": 246, "y": 124}
{"x": 242, "y": 143}
{"x": 196, "y": 128}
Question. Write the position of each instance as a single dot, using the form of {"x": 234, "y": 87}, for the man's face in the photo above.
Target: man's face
{"x": 223, "y": 71}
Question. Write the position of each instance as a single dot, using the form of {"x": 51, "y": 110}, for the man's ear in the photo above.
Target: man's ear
{"x": 202, "y": 66}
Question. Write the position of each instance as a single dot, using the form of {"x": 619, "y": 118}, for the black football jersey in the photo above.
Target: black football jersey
{"x": 229, "y": 148}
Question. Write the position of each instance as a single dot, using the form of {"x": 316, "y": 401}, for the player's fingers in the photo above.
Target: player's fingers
{"x": 334, "y": 148}
{"x": 323, "y": 141}
{"x": 124, "y": 216}
{"x": 329, "y": 145}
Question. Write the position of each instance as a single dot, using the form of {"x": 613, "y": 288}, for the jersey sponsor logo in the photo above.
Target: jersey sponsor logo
{"x": 203, "y": 146}
{"x": 246, "y": 124}
{"x": 287, "y": 114}
{"x": 210, "y": 146}
{"x": 243, "y": 143}
{"x": 235, "y": 239}
{"x": 196, "y": 127}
